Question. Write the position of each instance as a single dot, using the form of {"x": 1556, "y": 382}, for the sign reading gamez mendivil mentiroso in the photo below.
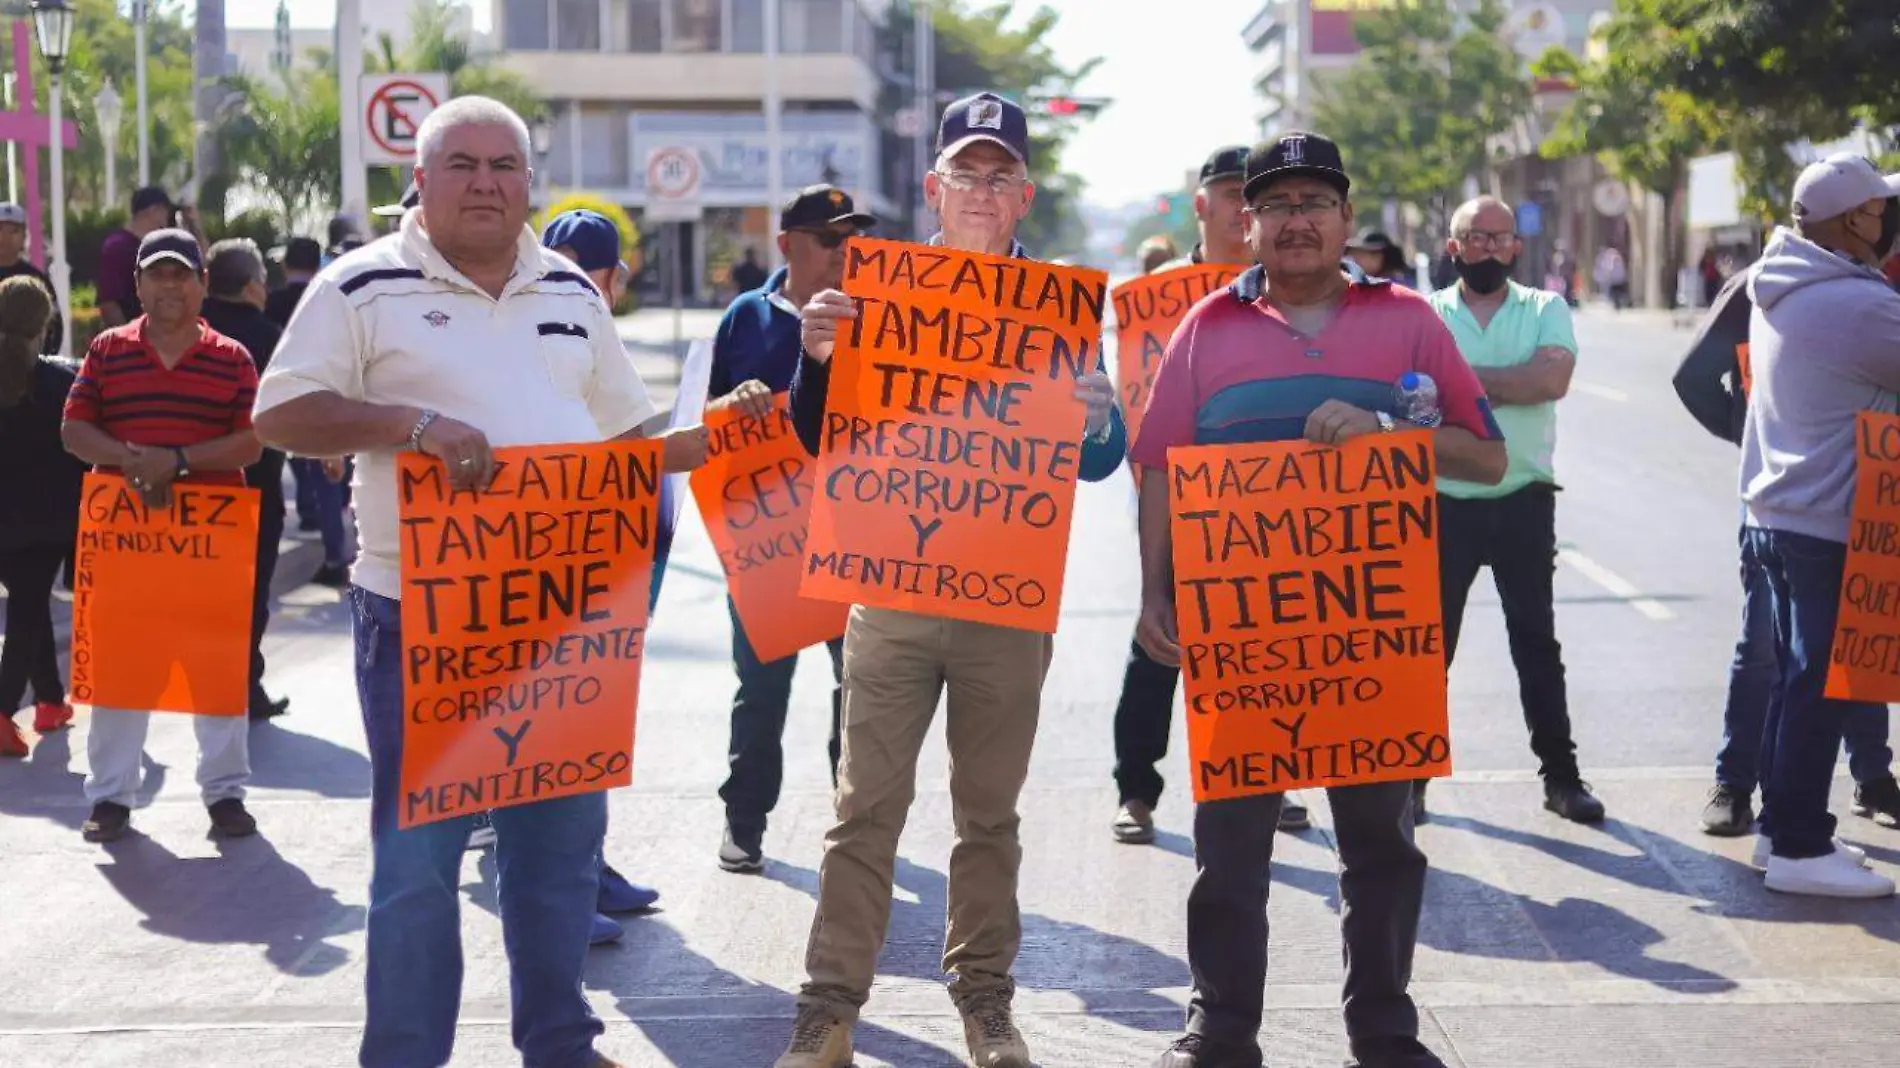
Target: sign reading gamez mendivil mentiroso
{"x": 953, "y": 436}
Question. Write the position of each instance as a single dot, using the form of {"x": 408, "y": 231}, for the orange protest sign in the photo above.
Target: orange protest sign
{"x": 162, "y": 599}
{"x": 1865, "y": 665}
{"x": 1743, "y": 368}
{"x": 953, "y": 436}
{"x": 524, "y": 613}
{"x": 1147, "y": 310}
{"x": 755, "y": 495}
{"x": 1307, "y": 601}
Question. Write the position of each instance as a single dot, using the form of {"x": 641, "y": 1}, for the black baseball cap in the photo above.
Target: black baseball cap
{"x": 1229, "y": 162}
{"x": 151, "y": 196}
{"x": 1371, "y": 240}
{"x": 984, "y": 117}
{"x": 822, "y": 205}
{"x": 171, "y": 244}
{"x": 1297, "y": 154}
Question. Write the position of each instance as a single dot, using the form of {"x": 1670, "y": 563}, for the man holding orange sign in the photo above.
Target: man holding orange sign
{"x": 457, "y": 335}
{"x": 1294, "y": 351}
{"x": 898, "y": 663}
{"x": 754, "y": 495}
{"x": 1146, "y": 313}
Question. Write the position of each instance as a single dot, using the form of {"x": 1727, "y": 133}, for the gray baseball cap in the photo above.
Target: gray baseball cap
{"x": 12, "y": 213}
{"x": 1839, "y": 184}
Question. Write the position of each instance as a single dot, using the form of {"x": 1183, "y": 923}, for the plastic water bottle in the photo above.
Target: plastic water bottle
{"x": 1417, "y": 399}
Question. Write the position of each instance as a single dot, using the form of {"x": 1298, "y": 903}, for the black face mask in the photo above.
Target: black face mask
{"x": 1889, "y": 228}
{"x": 1486, "y": 276}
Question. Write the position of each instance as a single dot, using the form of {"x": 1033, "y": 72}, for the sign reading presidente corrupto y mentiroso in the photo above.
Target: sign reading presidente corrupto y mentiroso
{"x": 524, "y": 613}
{"x": 953, "y": 436}
{"x": 1307, "y": 601}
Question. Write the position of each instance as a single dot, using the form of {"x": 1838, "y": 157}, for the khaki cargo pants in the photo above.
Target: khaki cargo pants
{"x": 896, "y": 664}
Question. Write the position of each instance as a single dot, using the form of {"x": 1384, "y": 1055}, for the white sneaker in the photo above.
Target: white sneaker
{"x": 1834, "y": 875}
{"x": 1765, "y": 848}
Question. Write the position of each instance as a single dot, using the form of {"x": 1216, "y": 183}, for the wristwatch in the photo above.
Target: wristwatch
{"x": 1386, "y": 423}
{"x": 182, "y": 468}
{"x": 422, "y": 424}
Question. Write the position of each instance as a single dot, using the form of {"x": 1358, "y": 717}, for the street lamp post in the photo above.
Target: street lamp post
{"x": 109, "y": 109}
{"x": 145, "y": 121}
{"x": 542, "y": 134}
{"x": 53, "y": 25}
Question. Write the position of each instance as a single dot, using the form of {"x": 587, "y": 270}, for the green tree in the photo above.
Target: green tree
{"x": 988, "y": 47}
{"x": 1417, "y": 114}
{"x": 285, "y": 143}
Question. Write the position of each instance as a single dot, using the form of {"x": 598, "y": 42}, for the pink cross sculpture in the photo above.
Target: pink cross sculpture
{"x": 31, "y": 130}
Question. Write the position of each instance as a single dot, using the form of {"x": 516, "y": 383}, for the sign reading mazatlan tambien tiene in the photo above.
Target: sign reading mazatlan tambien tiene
{"x": 1307, "y": 601}
{"x": 754, "y": 493}
{"x": 953, "y": 436}
{"x": 524, "y": 613}
{"x": 162, "y": 598}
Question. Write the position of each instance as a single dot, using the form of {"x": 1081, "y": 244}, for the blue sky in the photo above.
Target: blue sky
{"x": 1182, "y": 85}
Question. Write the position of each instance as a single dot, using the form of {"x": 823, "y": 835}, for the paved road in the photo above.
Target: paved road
{"x": 1641, "y": 943}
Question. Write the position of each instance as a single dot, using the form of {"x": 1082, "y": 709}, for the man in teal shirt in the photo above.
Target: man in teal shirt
{"x": 1520, "y": 342}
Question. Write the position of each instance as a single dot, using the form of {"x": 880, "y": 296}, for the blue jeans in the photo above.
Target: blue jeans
{"x": 321, "y": 501}
{"x": 1751, "y": 692}
{"x": 547, "y": 854}
{"x": 755, "y": 754}
{"x": 1803, "y": 735}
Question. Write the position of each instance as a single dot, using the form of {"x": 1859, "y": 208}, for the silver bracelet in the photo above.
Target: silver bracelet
{"x": 422, "y": 425}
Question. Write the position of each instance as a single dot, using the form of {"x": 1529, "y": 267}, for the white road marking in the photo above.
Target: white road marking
{"x": 1617, "y": 585}
{"x": 1606, "y": 392}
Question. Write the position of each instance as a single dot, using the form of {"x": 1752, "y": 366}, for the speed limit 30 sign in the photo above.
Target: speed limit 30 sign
{"x": 673, "y": 178}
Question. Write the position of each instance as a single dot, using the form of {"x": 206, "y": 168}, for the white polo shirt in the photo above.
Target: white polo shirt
{"x": 394, "y": 323}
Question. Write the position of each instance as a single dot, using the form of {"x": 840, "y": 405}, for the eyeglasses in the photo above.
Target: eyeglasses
{"x": 828, "y": 239}
{"x": 1281, "y": 210}
{"x": 1487, "y": 238}
{"x": 964, "y": 181}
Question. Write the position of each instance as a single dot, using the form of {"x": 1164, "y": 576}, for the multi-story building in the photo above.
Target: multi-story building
{"x": 627, "y": 77}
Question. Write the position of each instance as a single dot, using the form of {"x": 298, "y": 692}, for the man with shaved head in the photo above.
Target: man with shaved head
{"x": 1520, "y": 342}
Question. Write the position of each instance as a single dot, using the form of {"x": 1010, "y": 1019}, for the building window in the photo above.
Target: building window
{"x": 577, "y": 25}
{"x": 560, "y": 158}
{"x": 644, "y": 26}
{"x": 696, "y": 26}
{"x": 748, "y": 25}
{"x": 813, "y": 26}
{"x": 525, "y": 25}
{"x": 603, "y": 133}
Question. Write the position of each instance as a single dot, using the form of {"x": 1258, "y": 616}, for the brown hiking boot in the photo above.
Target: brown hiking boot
{"x": 990, "y": 1029}
{"x": 819, "y": 1040}
{"x": 229, "y": 818}
{"x": 107, "y": 823}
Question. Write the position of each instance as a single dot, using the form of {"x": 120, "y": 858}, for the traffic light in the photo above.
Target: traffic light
{"x": 1063, "y": 106}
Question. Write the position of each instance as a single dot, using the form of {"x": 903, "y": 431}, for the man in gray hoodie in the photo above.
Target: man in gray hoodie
{"x": 1824, "y": 345}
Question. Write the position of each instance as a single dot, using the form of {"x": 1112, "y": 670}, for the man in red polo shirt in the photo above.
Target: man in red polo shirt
{"x": 164, "y": 399}
{"x": 1295, "y": 350}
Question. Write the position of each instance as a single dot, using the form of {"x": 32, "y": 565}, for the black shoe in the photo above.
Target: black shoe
{"x": 1729, "y": 812}
{"x": 268, "y": 709}
{"x": 1197, "y": 1051}
{"x": 1879, "y": 801}
{"x": 108, "y": 822}
{"x": 229, "y": 819}
{"x": 742, "y": 852}
{"x": 1293, "y": 815}
{"x": 1572, "y": 799}
{"x": 335, "y": 576}
{"x": 1419, "y": 815}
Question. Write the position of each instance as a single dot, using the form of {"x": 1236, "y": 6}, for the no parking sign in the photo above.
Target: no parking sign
{"x": 394, "y": 106}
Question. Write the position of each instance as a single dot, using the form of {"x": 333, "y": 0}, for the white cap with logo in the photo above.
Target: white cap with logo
{"x": 12, "y": 213}
{"x": 1839, "y": 184}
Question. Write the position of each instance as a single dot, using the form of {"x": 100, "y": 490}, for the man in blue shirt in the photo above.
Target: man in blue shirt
{"x": 755, "y": 354}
